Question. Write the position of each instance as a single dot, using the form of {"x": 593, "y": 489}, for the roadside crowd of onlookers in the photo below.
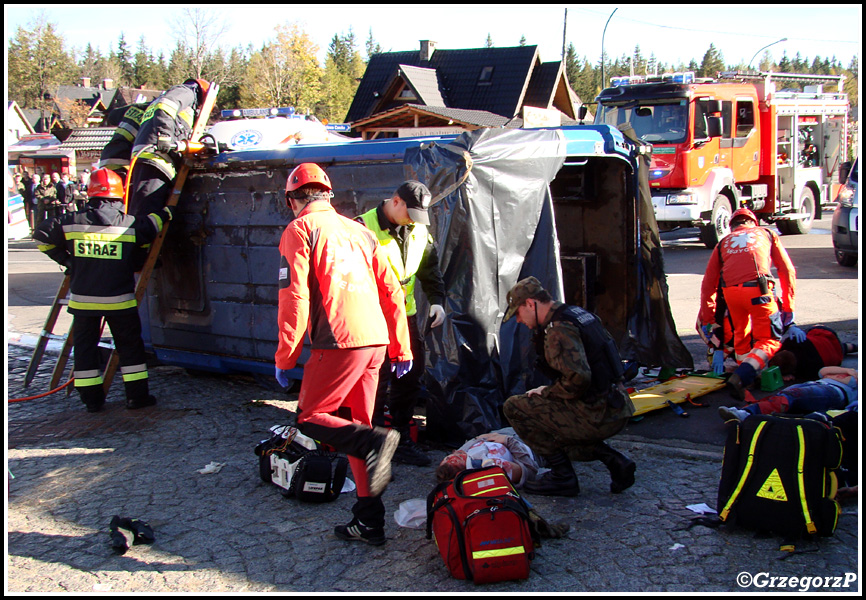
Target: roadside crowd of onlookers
{"x": 50, "y": 195}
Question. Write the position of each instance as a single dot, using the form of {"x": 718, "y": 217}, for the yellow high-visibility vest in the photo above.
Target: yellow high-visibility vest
{"x": 404, "y": 267}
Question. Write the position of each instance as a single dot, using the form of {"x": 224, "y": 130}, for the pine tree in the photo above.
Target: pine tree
{"x": 142, "y": 66}
{"x": 124, "y": 61}
{"x": 372, "y": 46}
{"x": 712, "y": 64}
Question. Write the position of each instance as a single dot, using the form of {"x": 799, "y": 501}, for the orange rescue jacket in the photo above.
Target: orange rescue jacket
{"x": 335, "y": 280}
{"x": 741, "y": 257}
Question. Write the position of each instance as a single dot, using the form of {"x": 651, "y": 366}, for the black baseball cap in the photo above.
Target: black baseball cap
{"x": 417, "y": 198}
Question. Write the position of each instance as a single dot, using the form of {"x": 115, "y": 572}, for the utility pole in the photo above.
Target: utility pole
{"x": 564, "y": 20}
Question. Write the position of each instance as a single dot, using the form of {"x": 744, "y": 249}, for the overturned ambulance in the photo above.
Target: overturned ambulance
{"x": 570, "y": 206}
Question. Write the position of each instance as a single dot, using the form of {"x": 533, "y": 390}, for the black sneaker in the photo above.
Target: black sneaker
{"x": 408, "y": 453}
{"x": 135, "y": 403}
{"x": 357, "y": 531}
{"x": 379, "y": 460}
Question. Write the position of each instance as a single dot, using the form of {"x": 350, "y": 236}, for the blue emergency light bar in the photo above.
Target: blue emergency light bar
{"x": 260, "y": 112}
{"x": 685, "y": 77}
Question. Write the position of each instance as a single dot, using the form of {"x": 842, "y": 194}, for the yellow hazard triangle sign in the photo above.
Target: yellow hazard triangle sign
{"x": 773, "y": 488}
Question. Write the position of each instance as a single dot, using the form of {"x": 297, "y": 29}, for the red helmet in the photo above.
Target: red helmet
{"x": 307, "y": 174}
{"x": 741, "y": 213}
{"x": 105, "y": 183}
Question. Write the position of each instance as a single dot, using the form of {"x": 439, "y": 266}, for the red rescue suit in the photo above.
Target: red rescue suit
{"x": 336, "y": 282}
{"x": 735, "y": 267}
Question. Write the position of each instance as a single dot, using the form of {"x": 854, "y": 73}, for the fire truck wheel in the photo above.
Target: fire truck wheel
{"x": 804, "y": 225}
{"x": 720, "y": 226}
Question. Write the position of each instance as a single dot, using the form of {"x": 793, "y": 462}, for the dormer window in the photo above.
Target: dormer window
{"x": 486, "y": 76}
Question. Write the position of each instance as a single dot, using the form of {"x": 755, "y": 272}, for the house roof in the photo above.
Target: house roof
{"x": 131, "y": 95}
{"x": 488, "y": 79}
{"x": 98, "y": 99}
{"x": 416, "y": 115}
{"x": 425, "y": 84}
{"x": 88, "y": 138}
{"x": 542, "y": 85}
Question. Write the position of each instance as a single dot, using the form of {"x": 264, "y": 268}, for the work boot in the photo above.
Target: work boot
{"x": 408, "y": 452}
{"x": 136, "y": 403}
{"x": 621, "y": 468}
{"x": 94, "y": 405}
{"x": 559, "y": 481}
{"x": 379, "y": 459}
{"x": 736, "y": 389}
{"x": 93, "y": 398}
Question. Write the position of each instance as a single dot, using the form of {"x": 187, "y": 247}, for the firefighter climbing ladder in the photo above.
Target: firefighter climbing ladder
{"x": 144, "y": 276}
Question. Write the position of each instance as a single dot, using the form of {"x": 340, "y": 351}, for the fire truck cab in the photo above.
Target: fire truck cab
{"x": 735, "y": 141}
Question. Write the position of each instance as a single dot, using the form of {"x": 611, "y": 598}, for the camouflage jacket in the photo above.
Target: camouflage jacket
{"x": 564, "y": 352}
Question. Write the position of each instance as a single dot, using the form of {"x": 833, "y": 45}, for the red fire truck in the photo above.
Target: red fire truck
{"x": 743, "y": 139}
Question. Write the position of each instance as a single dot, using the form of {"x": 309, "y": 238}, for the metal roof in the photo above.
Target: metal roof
{"x": 90, "y": 138}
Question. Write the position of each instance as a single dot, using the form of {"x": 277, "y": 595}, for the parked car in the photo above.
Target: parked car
{"x": 845, "y": 220}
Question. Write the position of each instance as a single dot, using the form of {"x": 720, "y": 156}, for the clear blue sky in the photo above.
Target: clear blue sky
{"x": 673, "y": 33}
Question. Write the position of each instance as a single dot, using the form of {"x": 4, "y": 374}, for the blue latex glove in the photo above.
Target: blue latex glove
{"x": 795, "y": 333}
{"x": 282, "y": 376}
{"x": 401, "y": 368}
{"x": 719, "y": 362}
{"x": 787, "y": 318}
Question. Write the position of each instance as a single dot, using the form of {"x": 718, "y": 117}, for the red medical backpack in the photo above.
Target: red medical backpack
{"x": 481, "y": 526}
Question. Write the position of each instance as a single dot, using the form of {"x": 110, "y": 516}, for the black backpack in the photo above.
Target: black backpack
{"x": 778, "y": 475}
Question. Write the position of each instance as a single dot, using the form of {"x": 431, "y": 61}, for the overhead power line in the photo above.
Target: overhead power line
{"x": 714, "y": 31}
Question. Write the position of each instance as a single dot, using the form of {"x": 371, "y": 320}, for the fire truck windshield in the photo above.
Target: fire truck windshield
{"x": 653, "y": 122}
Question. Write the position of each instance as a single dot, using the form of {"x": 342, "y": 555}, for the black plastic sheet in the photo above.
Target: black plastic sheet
{"x": 491, "y": 231}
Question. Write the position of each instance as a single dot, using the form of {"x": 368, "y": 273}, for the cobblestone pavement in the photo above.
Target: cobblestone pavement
{"x": 69, "y": 472}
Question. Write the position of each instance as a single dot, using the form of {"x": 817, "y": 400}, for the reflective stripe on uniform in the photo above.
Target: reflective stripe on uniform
{"x": 124, "y": 227}
{"x": 127, "y": 130}
{"x": 87, "y": 378}
{"x": 128, "y": 235}
{"x": 45, "y": 247}
{"x": 168, "y": 106}
{"x": 188, "y": 116}
{"x": 158, "y": 160}
{"x": 156, "y": 220}
{"x": 129, "y": 136}
{"x": 120, "y": 302}
{"x": 134, "y": 372}
{"x": 112, "y": 163}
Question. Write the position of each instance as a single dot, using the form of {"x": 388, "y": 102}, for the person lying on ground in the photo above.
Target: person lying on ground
{"x": 835, "y": 390}
{"x": 501, "y": 447}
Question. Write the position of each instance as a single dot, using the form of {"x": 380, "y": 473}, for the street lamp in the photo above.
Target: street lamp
{"x": 602, "y": 46}
{"x": 764, "y": 48}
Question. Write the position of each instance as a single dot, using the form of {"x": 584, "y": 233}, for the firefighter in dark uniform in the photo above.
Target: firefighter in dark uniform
{"x": 586, "y": 403}
{"x": 96, "y": 246}
{"x": 168, "y": 120}
{"x": 118, "y": 152}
